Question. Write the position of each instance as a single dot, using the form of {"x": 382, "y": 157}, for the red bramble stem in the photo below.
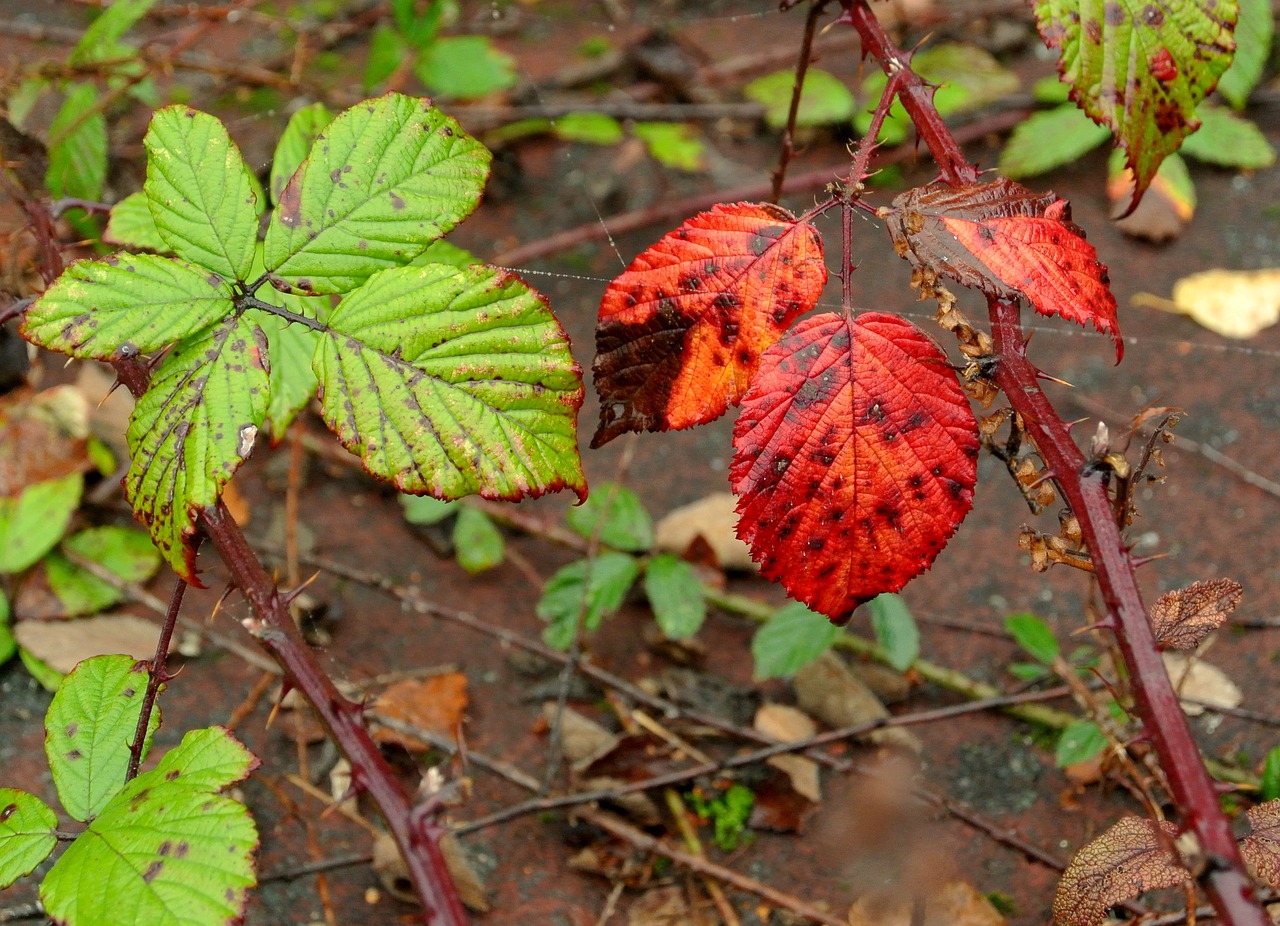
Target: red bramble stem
{"x": 1084, "y": 487}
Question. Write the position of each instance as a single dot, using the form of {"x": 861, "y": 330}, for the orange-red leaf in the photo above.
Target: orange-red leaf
{"x": 682, "y": 329}
{"x": 854, "y": 459}
{"x": 1007, "y": 241}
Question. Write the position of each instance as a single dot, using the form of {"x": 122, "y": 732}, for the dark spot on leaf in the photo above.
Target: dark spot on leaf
{"x": 75, "y": 754}
{"x": 153, "y": 870}
{"x": 396, "y": 202}
{"x": 8, "y": 811}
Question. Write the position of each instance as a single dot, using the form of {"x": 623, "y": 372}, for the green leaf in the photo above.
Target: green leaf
{"x": 420, "y": 29}
{"x": 477, "y": 542}
{"x": 1028, "y": 671}
{"x": 126, "y": 553}
{"x": 78, "y": 146}
{"x": 464, "y": 67}
{"x": 1270, "y": 789}
{"x": 295, "y": 143}
{"x": 387, "y": 49}
{"x": 99, "y": 41}
{"x": 442, "y": 252}
{"x": 1079, "y": 742}
{"x": 1050, "y": 139}
{"x": 292, "y": 382}
{"x": 824, "y": 100}
{"x": 126, "y": 304}
{"x": 1228, "y": 140}
{"x": 192, "y": 429}
{"x": 203, "y": 197}
{"x": 673, "y": 144}
{"x": 1254, "y": 32}
{"x": 27, "y": 837}
{"x": 425, "y": 510}
{"x": 1140, "y": 68}
{"x": 588, "y": 128}
{"x": 619, "y": 516}
{"x": 8, "y": 645}
{"x": 179, "y": 852}
{"x": 789, "y": 640}
{"x": 450, "y": 382}
{"x": 383, "y": 180}
{"x": 1050, "y": 91}
{"x": 33, "y": 523}
{"x": 895, "y": 630}
{"x": 88, "y": 729}
{"x": 675, "y": 594}
{"x": 971, "y": 76}
{"x": 46, "y": 675}
{"x": 23, "y": 99}
{"x": 1034, "y": 636}
{"x": 131, "y": 225}
{"x": 592, "y": 588}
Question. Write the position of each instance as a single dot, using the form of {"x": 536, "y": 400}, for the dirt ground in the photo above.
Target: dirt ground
{"x": 1206, "y": 520}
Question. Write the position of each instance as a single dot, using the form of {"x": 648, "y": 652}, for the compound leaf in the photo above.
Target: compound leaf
{"x": 789, "y": 640}
{"x": 192, "y": 429}
{"x": 1253, "y": 34}
{"x": 124, "y": 305}
{"x": 203, "y": 197}
{"x": 100, "y": 39}
{"x": 676, "y": 596}
{"x": 450, "y": 381}
{"x": 464, "y": 67}
{"x": 1049, "y": 139}
{"x": 854, "y": 459}
{"x": 179, "y": 851}
{"x": 78, "y": 146}
{"x": 88, "y": 729}
{"x": 590, "y": 588}
{"x": 1140, "y": 67}
{"x": 32, "y": 523}
{"x": 1228, "y": 140}
{"x": 1261, "y": 848}
{"x": 383, "y": 180}
{"x": 126, "y": 553}
{"x": 301, "y": 132}
{"x": 132, "y": 226}
{"x": 1134, "y": 856}
{"x": 1009, "y": 242}
{"x": 824, "y": 99}
{"x": 27, "y": 826}
{"x": 681, "y": 330}
{"x": 1181, "y": 619}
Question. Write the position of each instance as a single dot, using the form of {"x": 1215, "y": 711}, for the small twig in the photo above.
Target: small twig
{"x": 157, "y": 675}
{"x": 318, "y": 867}
{"x": 802, "y": 66}
{"x": 1008, "y": 837}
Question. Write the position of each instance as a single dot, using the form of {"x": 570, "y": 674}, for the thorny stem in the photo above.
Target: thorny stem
{"x": 802, "y": 66}
{"x": 1084, "y": 487}
{"x": 157, "y": 675}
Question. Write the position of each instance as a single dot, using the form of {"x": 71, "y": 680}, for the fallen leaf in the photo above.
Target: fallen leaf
{"x": 1165, "y": 210}
{"x": 829, "y": 690}
{"x": 1232, "y": 303}
{"x": 1182, "y": 619}
{"x": 394, "y": 876}
{"x": 63, "y": 644}
{"x": 582, "y": 740}
{"x": 955, "y": 903}
{"x": 42, "y": 437}
{"x": 1261, "y": 848}
{"x": 661, "y": 906}
{"x": 778, "y": 806}
{"x": 714, "y": 520}
{"x": 1133, "y": 856}
{"x": 340, "y": 786}
{"x": 1198, "y": 681}
{"x": 436, "y": 704}
{"x": 790, "y": 725}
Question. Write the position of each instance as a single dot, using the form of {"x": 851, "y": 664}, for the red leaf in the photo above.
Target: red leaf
{"x": 855, "y": 459}
{"x": 682, "y": 329}
{"x": 1009, "y": 242}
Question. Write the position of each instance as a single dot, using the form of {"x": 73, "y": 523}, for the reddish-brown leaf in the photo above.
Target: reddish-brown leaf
{"x": 682, "y": 329}
{"x": 1133, "y": 856}
{"x": 435, "y": 704}
{"x": 1181, "y": 619}
{"x": 1007, "y": 241}
{"x": 854, "y": 459}
{"x": 1261, "y": 848}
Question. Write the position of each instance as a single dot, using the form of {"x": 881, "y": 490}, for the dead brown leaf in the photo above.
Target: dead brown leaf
{"x": 1261, "y": 848}
{"x": 63, "y": 644}
{"x": 1182, "y": 619}
{"x": 955, "y": 903}
{"x": 661, "y": 906}
{"x": 779, "y": 806}
{"x": 582, "y": 740}
{"x": 1197, "y": 681}
{"x": 715, "y": 520}
{"x": 790, "y": 725}
{"x": 1134, "y": 856}
{"x": 829, "y": 690}
{"x": 436, "y": 703}
{"x": 393, "y": 874}
{"x": 42, "y": 437}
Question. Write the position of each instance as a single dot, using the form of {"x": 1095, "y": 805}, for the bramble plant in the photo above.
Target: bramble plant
{"x": 445, "y": 377}
{"x": 855, "y": 447}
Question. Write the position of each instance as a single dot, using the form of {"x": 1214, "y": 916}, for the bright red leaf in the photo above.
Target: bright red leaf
{"x": 854, "y": 459}
{"x": 682, "y": 329}
{"x": 1009, "y": 242}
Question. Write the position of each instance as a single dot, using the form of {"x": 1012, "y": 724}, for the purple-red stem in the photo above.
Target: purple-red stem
{"x": 1224, "y": 876}
{"x": 157, "y": 675}
{"x": 802, "y": 68}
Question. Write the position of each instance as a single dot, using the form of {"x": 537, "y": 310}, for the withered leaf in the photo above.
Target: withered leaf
{"x": 1134, "y": 856}
{"x": 435, "y": 704}
{"x": 1261, "y": 848}
{"x": 1182, "y": 619}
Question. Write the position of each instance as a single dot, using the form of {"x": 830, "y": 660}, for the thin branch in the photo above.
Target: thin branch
{"x": 802, "y": 66}
{"x": 157, "y": 675}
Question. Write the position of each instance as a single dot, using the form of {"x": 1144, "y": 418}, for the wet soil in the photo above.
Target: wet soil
{"x": 1204, "y": 519}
